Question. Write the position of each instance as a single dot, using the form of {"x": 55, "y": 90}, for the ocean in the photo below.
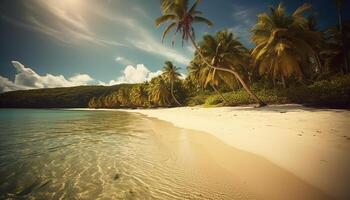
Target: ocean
{"x": 72, "y": 154}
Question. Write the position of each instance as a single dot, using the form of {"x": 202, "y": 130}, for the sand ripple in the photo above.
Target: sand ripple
{"x": 96, "y": 155}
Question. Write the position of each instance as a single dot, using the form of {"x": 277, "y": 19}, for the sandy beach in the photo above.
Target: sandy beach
{"x": 294, "y": 151}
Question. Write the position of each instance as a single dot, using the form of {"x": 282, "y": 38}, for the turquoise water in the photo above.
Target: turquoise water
{"x": 70, "y": 154}
{"x": 64, "y": 154}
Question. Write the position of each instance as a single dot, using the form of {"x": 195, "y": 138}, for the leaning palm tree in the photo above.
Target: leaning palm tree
{"x": 284, "y": 43}
{"x": 181, "y": 18}
{"x": 224, "y": 49}
{"x": 158, "y": 93}
{"x": 204, "y": 76}
{"x": 171, "y": 75}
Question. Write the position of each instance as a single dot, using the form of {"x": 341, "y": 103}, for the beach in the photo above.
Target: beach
{"x": 312, "y": 145}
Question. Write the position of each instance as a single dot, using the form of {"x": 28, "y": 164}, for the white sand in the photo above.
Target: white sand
{"x": 313, "y": 144}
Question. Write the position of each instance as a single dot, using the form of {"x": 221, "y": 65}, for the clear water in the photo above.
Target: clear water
{"x": 60, "y": 154}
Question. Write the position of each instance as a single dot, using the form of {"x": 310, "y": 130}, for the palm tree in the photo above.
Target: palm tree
{"x": 333, "y": 53}
{"x": 123, "y": 97}
{"x": 92, "y": 103}
{"x": 182, "y": 18}
{"x": 224, "y": 49}
{"x": 284, "y": 43}
{"x": 171, "y": 75}
{"x": 158, "y": 93}
{"x": 138, "y": 95}
{"x": 204, "y": 76}
{"x": 344, "y": 47}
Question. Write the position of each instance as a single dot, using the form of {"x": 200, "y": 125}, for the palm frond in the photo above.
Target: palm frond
{"x": 193, "y": 8}
{"x": 168, "y": 29}
{"x": 198, "y": 19}
{"x": 300, "y": 10}
{"x": 164, "y": 18}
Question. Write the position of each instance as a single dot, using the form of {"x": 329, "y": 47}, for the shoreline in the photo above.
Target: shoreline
{"x": 311, "y": 143}
{"x": 308, "y": 142}
{"x": 228, "y": 171}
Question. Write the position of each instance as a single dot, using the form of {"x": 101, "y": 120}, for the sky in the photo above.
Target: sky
{"x": 61, "y": 43}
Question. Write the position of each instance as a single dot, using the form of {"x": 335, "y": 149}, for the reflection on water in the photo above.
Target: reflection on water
{"x": 57, "y": 154}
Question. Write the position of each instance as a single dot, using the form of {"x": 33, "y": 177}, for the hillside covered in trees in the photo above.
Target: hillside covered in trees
{"x": 69, "y": 97}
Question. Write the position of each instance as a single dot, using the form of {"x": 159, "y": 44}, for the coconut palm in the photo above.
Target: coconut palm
{"x": 344, "y": 46}
{"x": 205, "y": 76}
{"x": 122, "y": 97}
{"x": 284, "y": 43}
{"x": 182, "y": 17}
{"x": 92, "y": 102}
{"x": 224, "y": 49}
{"x": 158, "y": 93}
{"x": 170, "y": 75}
{"x": 333, "y": 53}
{"x": 138, "y": 95}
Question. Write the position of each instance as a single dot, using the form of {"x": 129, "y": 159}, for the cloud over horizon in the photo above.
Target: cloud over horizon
{"x": 131, "y": 74}
{"x": 26, "y": 78}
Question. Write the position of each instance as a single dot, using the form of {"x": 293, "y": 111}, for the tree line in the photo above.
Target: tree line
{"x": 289, "y": 51}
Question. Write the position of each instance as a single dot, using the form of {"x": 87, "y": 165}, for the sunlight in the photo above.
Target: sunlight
{"x": 70, "y": 3}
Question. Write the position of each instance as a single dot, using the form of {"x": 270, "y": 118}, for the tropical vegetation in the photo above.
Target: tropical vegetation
{"x": 292, "y": 61}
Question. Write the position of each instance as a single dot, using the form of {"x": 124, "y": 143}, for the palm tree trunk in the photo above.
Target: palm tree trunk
{"x": 319, "y": 64}
{"x": 342, "y": 34}
{"x": 245, "y": 86}
{"x": 217, "y": 91}
{"x": 283, "y": 82}
{"x": 172, "y": 93}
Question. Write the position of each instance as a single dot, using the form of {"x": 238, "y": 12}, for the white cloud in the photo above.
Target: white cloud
{"x": 75, "y": 21}
{"x": 26, "y": 78}
{"x": 132, "y": 74}
{"x": 142, "y": 38}
{"x": 123, "y": 60}
{"x": 7, "y": 85}
{"x": 63, "y": 20}
{"x": 152, "y": 46}
{"x": 81, "y": 79}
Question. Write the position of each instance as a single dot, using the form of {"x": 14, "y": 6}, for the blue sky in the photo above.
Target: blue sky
{"x": 93, "y": 41}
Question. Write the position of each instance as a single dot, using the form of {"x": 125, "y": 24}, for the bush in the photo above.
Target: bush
{"x": 333, "y": 92}
{"x": 198, "y": 99}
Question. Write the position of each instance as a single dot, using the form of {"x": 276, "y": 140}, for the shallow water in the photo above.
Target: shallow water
{"x": 61, "y": 154}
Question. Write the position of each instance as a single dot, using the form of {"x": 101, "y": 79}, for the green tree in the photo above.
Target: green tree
{"x": 139, "y": 96}
{"x": 158, "y": 92}
{"x": 344, "y": 45}
{"x": 171, "y": 75}
{"x": 92, "y": 103}
{"x": 284, "y": 43}
{"x": 181, "y": 18}
{"x": 123, "y": 97}
{"x": 224, "y": 49}
{"x": 204, "y": 76}
{"x": 333, "y": 53}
